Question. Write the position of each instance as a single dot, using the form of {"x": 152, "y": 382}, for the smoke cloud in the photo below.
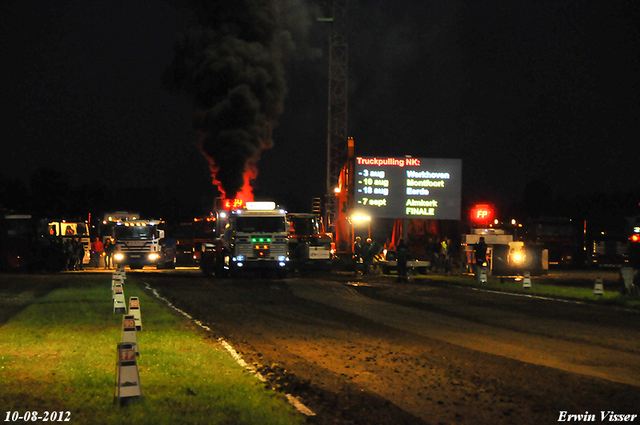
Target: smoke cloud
{"x": 231, "y": 67}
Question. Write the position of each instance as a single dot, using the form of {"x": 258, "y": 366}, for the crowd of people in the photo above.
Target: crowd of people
{"x": 100, "y": 254}
{"x": 74, "y": 252}
{"x": 365, "y": 252}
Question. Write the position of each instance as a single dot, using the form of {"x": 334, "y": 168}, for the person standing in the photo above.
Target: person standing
{"x": 402, "y": 256}
{"x": 481, "y": 256}
{"x": 109, "y": 248}
{"x": 367, "y": 255}
{"x": 70, "y": 254}
{"x": 80, "y": 254}
{"x": 97, "y": 248}
{"x": 357, "y": 254}
{"x": 446, "y": 255}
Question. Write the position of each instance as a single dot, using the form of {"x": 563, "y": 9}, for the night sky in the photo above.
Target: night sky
{"x": 520, "y": 91}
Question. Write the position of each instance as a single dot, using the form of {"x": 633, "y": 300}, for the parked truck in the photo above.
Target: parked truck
{"x": 18, "y": 240}
{"x": 26, "y": 244}
{"x": 140, "y": 243}
{"x": 309, "y": 246}
{"x": 72, "y": 229}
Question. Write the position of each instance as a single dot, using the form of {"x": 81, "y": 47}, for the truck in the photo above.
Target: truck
{"x": 26, "y": 244}
{"x": 606, "y": 241}
{"x": 557, "y": 235}
{"x": 213, "y": 255}
{"x": 251, "y": 238}
{"x": 72, "y": 229}
{"x": 309, "y": 246}
{"x": 140, "y": 243}
{"x": 189, "y": 236}
{"x": 17, "y": 241}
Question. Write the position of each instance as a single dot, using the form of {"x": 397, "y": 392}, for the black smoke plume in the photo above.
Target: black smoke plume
{"x": 230, "y": 65}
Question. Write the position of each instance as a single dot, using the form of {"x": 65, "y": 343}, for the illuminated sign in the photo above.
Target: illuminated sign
{"x": 408, "y": 187}
{"x": 233, "y": 204}
{"x": 482, "y": 214}
{"x": 228, "y": 204}
{"x": 257, "y": 206}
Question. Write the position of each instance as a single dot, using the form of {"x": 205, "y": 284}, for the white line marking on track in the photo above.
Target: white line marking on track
{"x": 291, "y": 399}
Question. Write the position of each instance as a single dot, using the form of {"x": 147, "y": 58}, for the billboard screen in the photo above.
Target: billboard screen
{"x": 408, "y": 187}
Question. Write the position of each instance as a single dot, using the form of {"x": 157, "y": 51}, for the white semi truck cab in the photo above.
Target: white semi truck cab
{"x": 142, "y": 243}
{"x": 257, "y": 238}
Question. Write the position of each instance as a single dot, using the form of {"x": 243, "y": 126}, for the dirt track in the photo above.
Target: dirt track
{"x": 423, "y": 352}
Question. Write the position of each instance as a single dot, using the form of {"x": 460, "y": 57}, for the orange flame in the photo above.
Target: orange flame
{"x": 246, "y": 193}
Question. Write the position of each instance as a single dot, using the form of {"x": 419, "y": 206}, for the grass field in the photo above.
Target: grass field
{"x": 58, "y": 353}
{"x": 573, "y": 292}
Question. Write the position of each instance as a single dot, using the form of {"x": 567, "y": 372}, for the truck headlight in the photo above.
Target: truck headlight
{"x": 517, "y": 258}
{"x": 154, "y": 256}
{"x": 118, "y": 256}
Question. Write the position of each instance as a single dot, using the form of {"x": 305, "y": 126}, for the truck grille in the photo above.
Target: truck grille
{"x": 256, "y": 251}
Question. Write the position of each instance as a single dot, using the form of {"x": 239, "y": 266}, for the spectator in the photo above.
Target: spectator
{"x": 357, "y": 254}
{"x": 481, "y": 256}
{"x": 109, "y": 248}
{"x": 97, "y": 248}
{"x": 446, "y": 255}
{"x": 80, "y": 253}
{"x": 367, "y": 255}
{"x": 402, "y": 255}
{"x": 70, "y": 254}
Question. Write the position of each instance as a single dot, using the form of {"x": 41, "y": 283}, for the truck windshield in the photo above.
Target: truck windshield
{"x": 135, "y": 233}
{"x": 260, "y": 224}
{"x": 82, "y": 229}
{"x": 304, "y": 226}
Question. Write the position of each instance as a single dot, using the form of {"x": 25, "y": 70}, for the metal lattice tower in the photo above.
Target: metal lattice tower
{"x": 337, "y": 125}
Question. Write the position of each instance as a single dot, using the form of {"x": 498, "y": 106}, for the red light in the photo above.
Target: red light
{"x": 635, "y": 238}
{"x": 482, "y": 214}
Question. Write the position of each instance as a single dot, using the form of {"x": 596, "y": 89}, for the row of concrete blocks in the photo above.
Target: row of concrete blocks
{"x": 127, "y": 385}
